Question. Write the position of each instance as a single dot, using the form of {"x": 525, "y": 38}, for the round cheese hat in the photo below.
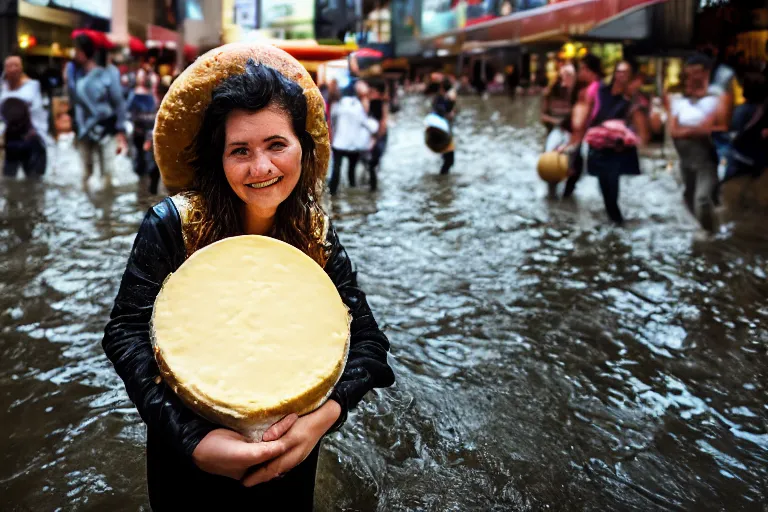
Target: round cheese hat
{"x": 248, "y": 330}
{"x": 183, "y": 107}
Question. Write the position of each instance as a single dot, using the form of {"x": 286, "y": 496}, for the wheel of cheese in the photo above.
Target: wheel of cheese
{"x": 248, "y": 330}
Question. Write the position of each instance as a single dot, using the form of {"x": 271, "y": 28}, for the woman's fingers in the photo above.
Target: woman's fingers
{"x": 279, "y": 429}
{"x": 250, "y": 454}
{"x": 266, "y": 473}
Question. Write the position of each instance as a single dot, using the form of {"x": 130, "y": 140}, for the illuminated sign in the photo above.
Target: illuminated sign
{"x": 96, "y": 8}
{"x": 295, "y": 18}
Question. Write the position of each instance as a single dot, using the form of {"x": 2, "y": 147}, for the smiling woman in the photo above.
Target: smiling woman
{"x": 248, "y": 146}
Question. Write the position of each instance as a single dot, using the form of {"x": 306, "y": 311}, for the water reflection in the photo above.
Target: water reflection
{"x": 545, "y": 359}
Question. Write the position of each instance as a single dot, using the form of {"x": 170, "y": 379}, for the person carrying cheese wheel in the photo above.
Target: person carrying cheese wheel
{"x": 242, "y": 134}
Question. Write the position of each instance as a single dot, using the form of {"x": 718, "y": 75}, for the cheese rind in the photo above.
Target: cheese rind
{"x": 248, "y": 330}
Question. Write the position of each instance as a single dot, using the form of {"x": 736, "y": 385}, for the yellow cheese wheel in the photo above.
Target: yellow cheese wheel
{"x": 553, "y": 167}
{"x": 248, "y": 330}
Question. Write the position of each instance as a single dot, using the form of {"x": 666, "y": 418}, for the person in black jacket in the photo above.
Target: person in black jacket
{"x": 254, "y": 169}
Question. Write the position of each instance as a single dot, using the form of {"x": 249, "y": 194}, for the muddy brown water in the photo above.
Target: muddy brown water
{"x": 545, "y": 360}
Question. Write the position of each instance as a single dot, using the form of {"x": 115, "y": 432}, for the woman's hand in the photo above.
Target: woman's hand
{"x": 300, "y": 440}
{"x": 122, "y": 143}
{"x": 227, "y": 453}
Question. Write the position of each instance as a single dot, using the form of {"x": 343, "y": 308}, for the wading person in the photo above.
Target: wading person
{"x": 352, "y": 133}
{"x": 444, "y": 106}
{"x": 589, "y": 78}
{"x": 21, "y": 108}
{"x": 100, "y": 111}
{"x": 255, "y": 166}
{"x": 555, "y": 114}
{"x": 142, "y": 107}
{"x": 16, "y": 84}
{"x": 146, "y": 152}
{"x": 379, "y": 110}
{"x": 722, "y": 82}
{"x": 750, "y": 125}
{"x": 693, "y": 119}
{"x": 616, "y": 129}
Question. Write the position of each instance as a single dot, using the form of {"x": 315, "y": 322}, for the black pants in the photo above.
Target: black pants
{"x": 176, "y": 484}
{"x": 373, "y": 163}
{"x": 448, "y": 159}
{"x": 154, "y": 179}
{"x": 577, "y": 166}
{"x": 338, "y": 154}
{"x": 29, "y": 154}
{"x": 609, "y": 186}
{"x": 140, "y": 160}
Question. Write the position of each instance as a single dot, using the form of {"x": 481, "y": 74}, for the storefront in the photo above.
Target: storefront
{"x": 44, "y": 34}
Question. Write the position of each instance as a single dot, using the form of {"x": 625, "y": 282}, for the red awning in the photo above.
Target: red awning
{"x": 560, "y": 20}
{"x": 136, "y": 46}
{"x": 99, "y": 39}
{"x": 161, "y": 37}
{"x": 191, "y": 52}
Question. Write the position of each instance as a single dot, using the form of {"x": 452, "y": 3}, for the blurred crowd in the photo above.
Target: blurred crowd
{"x": 107, "y": 110}
{"x": 717, "y": 122}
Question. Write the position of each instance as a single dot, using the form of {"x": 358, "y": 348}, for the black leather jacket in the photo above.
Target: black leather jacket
{"x": 159, "y": 250}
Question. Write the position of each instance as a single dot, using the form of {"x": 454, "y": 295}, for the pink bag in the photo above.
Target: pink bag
{"x": 612, "y": 134}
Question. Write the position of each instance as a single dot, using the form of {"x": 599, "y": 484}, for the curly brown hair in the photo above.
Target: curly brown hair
{"x": 217, "y": 212}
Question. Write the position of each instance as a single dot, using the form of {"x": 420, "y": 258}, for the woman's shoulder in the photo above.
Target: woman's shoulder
{"x": 164, "y": 212}
{"x": 187, "y": 211}
{"x": 184, "y": 204}
{"x": 30, "y": 84}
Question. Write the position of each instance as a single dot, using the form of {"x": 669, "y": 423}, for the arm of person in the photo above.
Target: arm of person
{"x": 354, "y": 67}
{"x": 675, "y": 130}
{"x": 384, "y": 119}
{"x": 544, "y": 117}
{"x": 705, "y": 129}
{"x": 579, "y": 122}
{"x": 726, "y": 105}
{"x": 148, "y": 139}
{"x": 641, "y": 124}
{"x": 334, "y": 113}
{"x": 118, "y": 103}
{"x": 720, "y": 120}
{"x": 37, "y": 112}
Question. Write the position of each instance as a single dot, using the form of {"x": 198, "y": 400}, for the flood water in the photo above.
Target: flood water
{"x": 545, "y": 360}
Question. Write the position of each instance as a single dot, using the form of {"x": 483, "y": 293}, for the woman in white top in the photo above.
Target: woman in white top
{"x": 16, "y": 84}
{"x": 26, "y": 133}
{"x": 352, "y": 130}
{"x": 694, "y": 117}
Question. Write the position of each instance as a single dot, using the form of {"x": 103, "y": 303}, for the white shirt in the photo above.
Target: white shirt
{"x": 692, "y": 112}
{"x": 29, "y": 92}
{"x": 351, "y": 127}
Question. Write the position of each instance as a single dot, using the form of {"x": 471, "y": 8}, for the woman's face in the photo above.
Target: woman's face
{"x": 622, "y": 75}
{"x": 13, "y": 69}
{"x": 584, "y": 74}
{"x": 262, "y": 158}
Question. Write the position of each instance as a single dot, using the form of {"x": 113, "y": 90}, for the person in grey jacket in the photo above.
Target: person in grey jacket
{"x": 100, "y": 111}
